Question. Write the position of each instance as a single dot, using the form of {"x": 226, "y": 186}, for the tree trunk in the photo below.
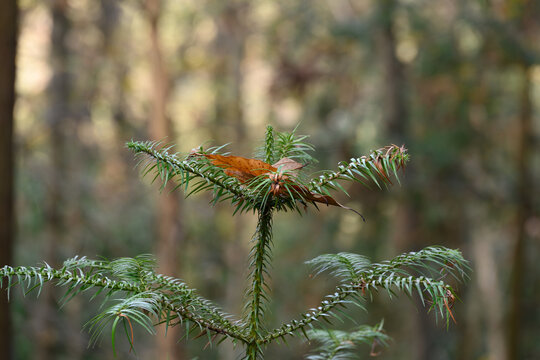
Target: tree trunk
{"x": 230, "y": 48}
{"x": 8, "y": 49}
{"x": 524, "y": 212}
{"x": 406, "y": 235}
{"x": 394, "y": 77}
{"x": 229, "y": 124}
{"x": 169, "y": 233}
{"x": 489, "y": 290}
{"x": 46, "y": 332}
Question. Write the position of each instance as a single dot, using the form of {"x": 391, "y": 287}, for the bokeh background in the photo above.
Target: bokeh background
{"x": 457, "y": 82}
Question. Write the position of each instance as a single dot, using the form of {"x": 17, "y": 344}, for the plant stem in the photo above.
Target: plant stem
{"x": 259, "y": 258}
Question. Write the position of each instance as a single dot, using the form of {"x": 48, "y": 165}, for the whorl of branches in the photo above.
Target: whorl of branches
{"x": 195, "y": 173}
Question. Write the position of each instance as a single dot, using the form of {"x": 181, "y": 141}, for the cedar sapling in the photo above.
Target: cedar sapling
{"x": 274, "y": 181}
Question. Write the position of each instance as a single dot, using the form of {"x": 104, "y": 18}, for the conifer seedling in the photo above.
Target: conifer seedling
{"x": 275, "y": 180}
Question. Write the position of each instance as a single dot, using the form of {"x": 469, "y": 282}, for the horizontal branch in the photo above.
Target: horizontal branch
{"x": 324, "y": 310}
{"x": 379, "y": 165}
{"x": 361, "y": 278}
{"x": 199, "y": 304}
{"x": 173, "y": 296}
{"x": 46, "y": 273}
{"x": 441, "y": 297}
{"x": 211, "y": 177}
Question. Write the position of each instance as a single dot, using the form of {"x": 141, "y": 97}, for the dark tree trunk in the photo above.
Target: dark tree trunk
{"x": 8, "y": 50}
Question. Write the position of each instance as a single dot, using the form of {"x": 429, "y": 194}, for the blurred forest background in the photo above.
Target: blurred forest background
{"x": 457, "y": 81}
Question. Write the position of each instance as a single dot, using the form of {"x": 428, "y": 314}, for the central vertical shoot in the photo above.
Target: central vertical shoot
{"x": 257, "y": 293}
{"x": 259, "y": 257}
